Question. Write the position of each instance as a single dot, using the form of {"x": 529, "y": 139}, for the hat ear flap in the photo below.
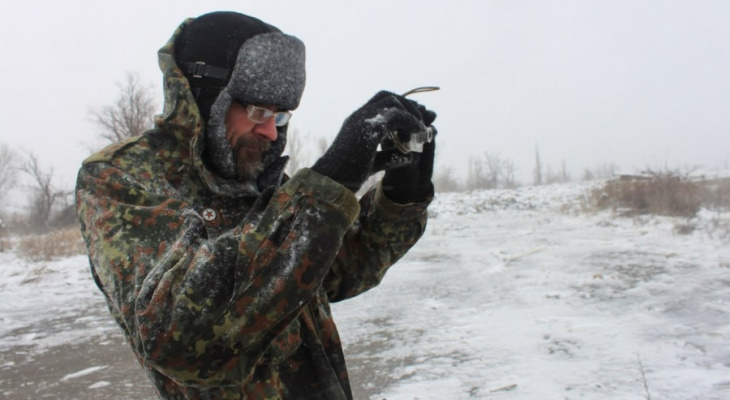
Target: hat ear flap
{"x": 217, "y": 152}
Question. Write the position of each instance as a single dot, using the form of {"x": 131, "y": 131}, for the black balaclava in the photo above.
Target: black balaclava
{"x": 229, "y": 57}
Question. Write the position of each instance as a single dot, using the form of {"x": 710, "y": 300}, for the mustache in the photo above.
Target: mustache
{"x": 254, "y": 143}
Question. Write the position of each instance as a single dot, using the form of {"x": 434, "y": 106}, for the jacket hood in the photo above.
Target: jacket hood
{"x": 180, "y": 114}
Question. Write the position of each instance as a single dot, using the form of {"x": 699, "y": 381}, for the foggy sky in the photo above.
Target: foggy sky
{"x": 633, "y": 83}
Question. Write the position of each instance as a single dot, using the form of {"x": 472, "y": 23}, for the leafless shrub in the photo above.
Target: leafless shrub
{"x": 491, "y": 172}
{"x": 561, "y": 176}
{"x": 45, "y": 194}
{"x": 52, "y": 245}
{"x": 5, "y": 243}
{"x": 8, "y": 170}
{"x": 660, "y": 193}
{"x": 508, "y": 175}
{"x": 537, "y": 171}
{"x": 477, "y": 178}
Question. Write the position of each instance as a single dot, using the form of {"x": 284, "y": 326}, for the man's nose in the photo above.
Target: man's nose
{"x": 267, "y": 129}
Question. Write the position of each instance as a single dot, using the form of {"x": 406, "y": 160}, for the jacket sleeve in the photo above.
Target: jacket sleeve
{"x": 382, "y": 234}
{"x": 204, "y": 311}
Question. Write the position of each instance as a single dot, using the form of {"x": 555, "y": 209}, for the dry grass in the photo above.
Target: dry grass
{"x": 666, "y": 193}
{"x": 53, "y": 245}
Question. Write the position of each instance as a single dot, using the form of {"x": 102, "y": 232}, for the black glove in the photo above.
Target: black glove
{"x": 351, "y": 157}
{"x": 411, "y": 183}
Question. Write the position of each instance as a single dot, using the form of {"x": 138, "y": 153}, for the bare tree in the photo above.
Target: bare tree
{"x": 45, "y": 194}
{"x": 508, "y": 175}
{"x": 130, "y": 115}
{"x": 491, "y": 172}
{"x": 8, "y": 170}
{"x": 476, "y": 178}
{"x": 537, "y": 173}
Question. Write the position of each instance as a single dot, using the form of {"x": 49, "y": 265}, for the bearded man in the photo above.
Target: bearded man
{"x": 219, "y": 269}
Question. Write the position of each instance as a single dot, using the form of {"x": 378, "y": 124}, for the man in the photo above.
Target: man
{"x": 219, "y": 269}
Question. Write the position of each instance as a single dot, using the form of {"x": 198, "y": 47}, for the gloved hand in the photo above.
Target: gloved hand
{"x": 411, "y": 183}
{"x": 351, "y": 157}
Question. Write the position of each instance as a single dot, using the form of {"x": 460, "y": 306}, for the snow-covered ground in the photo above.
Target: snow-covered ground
{"x": 510, "y": 295}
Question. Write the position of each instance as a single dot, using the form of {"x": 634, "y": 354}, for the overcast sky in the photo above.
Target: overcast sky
{"x": 637, "y": 83}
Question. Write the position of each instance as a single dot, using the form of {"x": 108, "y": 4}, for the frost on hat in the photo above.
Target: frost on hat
{"x": 269, "y": 70}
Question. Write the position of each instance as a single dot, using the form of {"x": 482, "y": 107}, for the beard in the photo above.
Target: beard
{"x": 249, "y": 152}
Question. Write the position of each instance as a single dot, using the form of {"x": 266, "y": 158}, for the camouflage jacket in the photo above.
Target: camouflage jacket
{"x": 222, "y": 291}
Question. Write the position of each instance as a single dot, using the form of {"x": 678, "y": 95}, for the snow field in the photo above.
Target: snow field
{"x": 516, "y": 295}
{"x": 511, "y": 294}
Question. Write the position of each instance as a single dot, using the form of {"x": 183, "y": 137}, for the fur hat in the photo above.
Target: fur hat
{"x": 269, "y": 69}
{"x": 227, "y": 57}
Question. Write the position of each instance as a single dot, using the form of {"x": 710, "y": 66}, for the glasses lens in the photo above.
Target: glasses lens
{"x": 259, "y": 115}
{"x": 282, "y": 118}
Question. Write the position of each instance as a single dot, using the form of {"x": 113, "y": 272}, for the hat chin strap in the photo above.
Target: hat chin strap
{"x": 200, "y": 69}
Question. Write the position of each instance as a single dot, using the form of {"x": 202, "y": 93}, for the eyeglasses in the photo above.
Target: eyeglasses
{"x": 260, "y": 115}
